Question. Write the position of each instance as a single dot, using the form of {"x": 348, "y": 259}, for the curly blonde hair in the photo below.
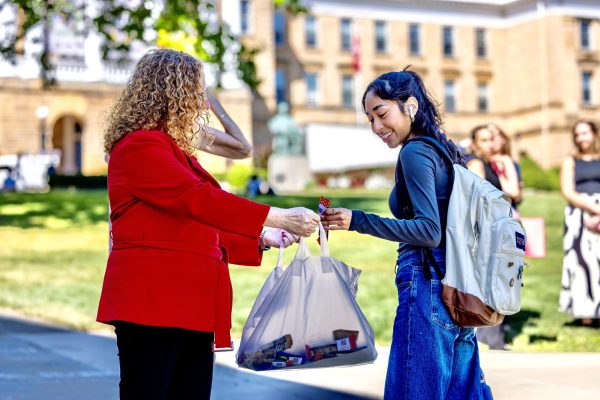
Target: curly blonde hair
{"x": 166, "y": 92}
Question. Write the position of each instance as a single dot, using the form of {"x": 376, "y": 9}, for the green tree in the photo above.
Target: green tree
{"x": 182, "y": 24}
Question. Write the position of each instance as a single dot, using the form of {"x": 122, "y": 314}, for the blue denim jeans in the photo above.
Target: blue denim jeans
{"x": 431, "y": 357}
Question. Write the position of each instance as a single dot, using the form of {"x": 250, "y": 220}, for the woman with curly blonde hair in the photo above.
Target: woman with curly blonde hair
{"x": 166, "y": 288}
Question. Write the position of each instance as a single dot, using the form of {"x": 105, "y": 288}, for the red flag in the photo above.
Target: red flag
{"x": 355, "y": 52}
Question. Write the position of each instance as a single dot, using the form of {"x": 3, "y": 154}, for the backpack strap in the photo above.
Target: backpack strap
{"x": 426, "y": 253}
{"x": 427, "y": 256}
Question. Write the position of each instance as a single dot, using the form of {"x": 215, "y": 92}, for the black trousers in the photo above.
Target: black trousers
{"x": 164, "y": 363}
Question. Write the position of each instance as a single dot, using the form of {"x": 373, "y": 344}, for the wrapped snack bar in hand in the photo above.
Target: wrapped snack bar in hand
{"x": 324, "y": 203}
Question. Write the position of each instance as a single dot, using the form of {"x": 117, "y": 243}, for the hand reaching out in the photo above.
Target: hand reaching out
{"x": 336, "y": 219}
{"x": 297, "y": 221}
{"x": 273, "y": 237}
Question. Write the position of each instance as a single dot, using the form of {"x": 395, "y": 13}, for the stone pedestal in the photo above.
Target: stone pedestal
{"x": 289, "y": 173}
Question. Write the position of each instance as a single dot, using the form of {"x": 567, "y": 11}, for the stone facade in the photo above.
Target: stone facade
{"x": 532, "y": 67}
{"x": 533, "y": 70}
{"x": 68, "y": 105}
{"x": 75, "y": 121}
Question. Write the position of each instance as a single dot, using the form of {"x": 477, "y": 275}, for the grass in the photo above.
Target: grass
{"x": 53, "y": 255}
{"x": 539, "y": 326}
{"x": 54, "y": 249}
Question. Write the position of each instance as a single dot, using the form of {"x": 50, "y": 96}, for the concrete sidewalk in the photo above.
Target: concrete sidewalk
{"x": 40, "y": 361}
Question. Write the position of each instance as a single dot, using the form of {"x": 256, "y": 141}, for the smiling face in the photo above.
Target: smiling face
{"x": 584, "y": 138}
{"x": 387, "y": 120}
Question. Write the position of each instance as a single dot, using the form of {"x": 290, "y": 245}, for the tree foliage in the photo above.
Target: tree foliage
{"x": 187, "y": 25}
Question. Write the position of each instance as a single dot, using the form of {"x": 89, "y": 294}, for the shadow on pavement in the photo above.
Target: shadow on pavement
{"x": 233, "y": 383}
{"x": 516, "y": 323}
{"x": 43, "y": 362}
{"x": 10, "y": 325}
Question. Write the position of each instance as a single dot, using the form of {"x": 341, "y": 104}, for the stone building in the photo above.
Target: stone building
{"x": 532, "y": 66}
{"x": 71, "y": 115}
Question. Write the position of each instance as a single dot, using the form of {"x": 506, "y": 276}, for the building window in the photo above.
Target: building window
{"x": 449, "y": 95}
{"x": 311, "y": 31}
{"x": 380, "y": 37}
{"x": 346, "y": 33}
{"x": 482, "y": 97}
{"x": 280, "y": 86}
{"x": 481, "y": 43}
{"x": 244, "y": 16}
{"x": 586, "y": 88}
{"x": 312, "y": 89}
{"x": 347, "y": 91}
{"x": 448, "y": 41}
{"x": 584, "y": 34}
{"x": 279, "y": 28}
{"x": 414, "y": 37}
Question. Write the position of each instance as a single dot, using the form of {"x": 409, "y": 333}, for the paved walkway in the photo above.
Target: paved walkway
{"x": 44, "y": 362}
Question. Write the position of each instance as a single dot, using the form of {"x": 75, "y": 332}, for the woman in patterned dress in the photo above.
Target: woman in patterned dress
{"x": 580, "y": 183}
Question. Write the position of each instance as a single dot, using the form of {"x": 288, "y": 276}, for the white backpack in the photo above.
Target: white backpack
{"x": 485, "y": 250}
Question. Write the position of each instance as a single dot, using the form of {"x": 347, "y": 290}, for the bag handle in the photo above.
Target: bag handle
{"x": 324, "y": 241}
{"x": 280, "y": 254}
{"x": 303, "y": 250}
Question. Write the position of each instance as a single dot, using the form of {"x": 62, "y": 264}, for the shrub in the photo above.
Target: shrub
{"x": 535, "y": 177}
{"x": 554, "y": 178}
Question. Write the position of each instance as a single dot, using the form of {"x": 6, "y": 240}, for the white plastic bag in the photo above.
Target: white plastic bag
{"x": 306, "y": 316}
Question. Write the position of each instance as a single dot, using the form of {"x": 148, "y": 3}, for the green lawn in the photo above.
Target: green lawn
{"x": 54, "y": 249}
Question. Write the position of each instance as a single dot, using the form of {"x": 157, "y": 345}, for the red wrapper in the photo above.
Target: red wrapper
{"x": 323, "y": 204}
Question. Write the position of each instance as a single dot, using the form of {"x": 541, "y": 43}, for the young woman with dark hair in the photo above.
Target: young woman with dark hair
{"x": 431, "y": 357}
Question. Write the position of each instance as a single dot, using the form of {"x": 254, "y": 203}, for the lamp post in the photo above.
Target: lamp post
{"x": 42, "y": 113}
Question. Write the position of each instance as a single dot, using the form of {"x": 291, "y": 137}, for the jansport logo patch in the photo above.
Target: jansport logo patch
{"x": 520, "y": 241}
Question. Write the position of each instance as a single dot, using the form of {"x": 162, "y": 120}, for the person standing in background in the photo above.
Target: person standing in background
{"x": 502, "y": 147}
{"x": 580, "y": 186}
{"x": 498, "y": 169}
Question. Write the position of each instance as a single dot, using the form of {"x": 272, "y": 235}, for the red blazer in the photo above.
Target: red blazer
{"x": 174, "y": 230}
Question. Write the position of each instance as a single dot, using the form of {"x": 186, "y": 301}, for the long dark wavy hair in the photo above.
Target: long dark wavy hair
{"x": 399, "y": 86}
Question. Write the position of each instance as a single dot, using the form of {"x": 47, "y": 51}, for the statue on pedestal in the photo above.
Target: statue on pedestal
{"x": 287, "y": 136}
{"x": 288, "y": 165}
